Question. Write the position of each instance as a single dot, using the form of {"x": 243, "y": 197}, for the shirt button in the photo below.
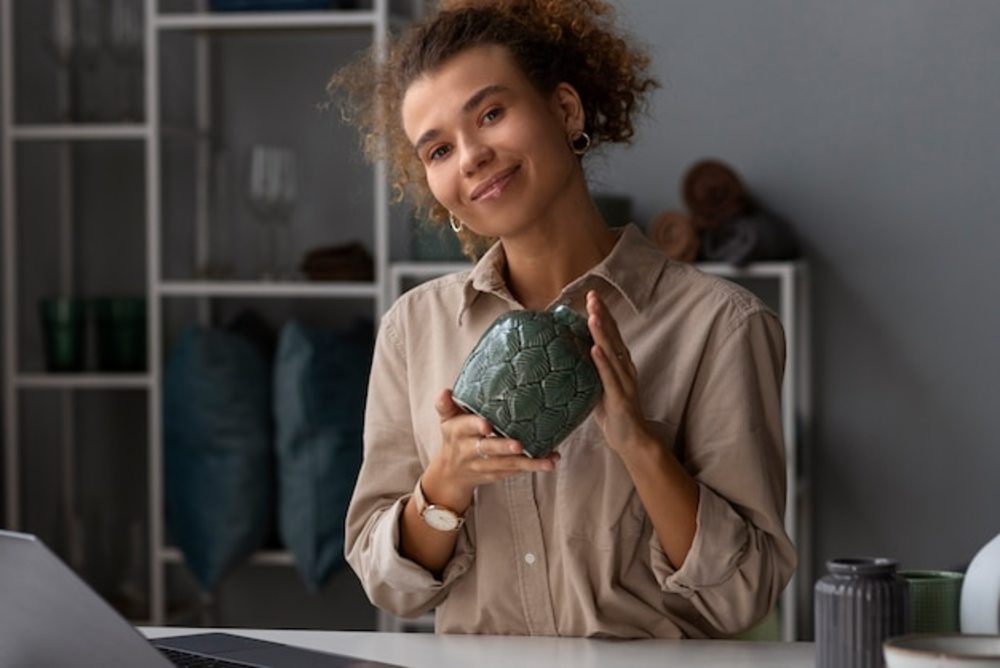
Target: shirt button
{"x": 529, "y": 558}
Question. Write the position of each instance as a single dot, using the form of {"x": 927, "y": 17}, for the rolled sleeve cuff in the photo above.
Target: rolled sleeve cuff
{"x": 405, "y": 575}
{"x": 720, "y": 542}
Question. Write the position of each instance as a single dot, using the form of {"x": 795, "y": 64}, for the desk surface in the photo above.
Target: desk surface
{"x": 447, "y": 651}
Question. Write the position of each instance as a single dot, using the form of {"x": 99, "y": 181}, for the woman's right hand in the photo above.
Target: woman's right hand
{"x": 472, "y": 454}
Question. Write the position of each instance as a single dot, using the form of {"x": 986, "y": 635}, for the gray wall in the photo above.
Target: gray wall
{"x": 873, "y": 126}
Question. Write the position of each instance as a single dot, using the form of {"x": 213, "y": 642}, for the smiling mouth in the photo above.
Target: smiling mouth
{"x": 494, "y": 186}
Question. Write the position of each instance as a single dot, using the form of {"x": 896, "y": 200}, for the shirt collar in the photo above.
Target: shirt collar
{"x": 633, "y": 268}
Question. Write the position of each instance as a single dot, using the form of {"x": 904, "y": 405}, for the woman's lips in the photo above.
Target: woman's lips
{"x": 495, "y": 187}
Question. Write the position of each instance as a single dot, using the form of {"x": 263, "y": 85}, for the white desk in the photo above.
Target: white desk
{"x": 451, "y": 651}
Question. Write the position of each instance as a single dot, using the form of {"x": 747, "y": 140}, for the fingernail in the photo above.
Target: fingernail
{"x": 515, "y": 447}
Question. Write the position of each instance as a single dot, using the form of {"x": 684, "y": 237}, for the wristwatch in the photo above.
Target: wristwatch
{"x": 436, "y": 517}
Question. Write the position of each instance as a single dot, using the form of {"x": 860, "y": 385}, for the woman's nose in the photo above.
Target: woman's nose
{"x": 474, "y": 156}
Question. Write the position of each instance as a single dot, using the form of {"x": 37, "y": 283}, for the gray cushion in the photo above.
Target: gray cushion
{"x": 320, "y": 380}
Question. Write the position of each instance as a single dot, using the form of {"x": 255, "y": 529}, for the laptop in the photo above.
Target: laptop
{"x": 50, "y": 617}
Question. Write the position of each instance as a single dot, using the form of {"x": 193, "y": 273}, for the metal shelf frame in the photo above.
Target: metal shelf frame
{"x": 202, "y": 25}
{"x": 151, "y": 132}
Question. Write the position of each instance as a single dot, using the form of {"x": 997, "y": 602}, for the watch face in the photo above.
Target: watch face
{"x": 441, "y": 519}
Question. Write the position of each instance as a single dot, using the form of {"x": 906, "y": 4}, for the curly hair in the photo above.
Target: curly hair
{"x": 552, "y": 41}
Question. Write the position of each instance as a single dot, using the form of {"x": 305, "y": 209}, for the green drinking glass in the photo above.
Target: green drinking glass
{"x": 121, "y": 333}
{"x": 63, "y": 321}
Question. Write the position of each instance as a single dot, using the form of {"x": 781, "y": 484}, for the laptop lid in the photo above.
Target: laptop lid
{"x": 49, "y": 617}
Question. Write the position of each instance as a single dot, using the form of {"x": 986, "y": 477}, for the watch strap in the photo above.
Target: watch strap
{"x": 423, "y": 506}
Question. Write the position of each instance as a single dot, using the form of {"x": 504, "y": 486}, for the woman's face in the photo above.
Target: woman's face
{"x": 496, "y": 151}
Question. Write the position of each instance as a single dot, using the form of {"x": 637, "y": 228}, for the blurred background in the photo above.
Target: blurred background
{"x": 195, "y": 256}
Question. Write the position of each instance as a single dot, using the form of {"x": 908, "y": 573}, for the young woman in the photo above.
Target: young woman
{"x": 661, "y": 515}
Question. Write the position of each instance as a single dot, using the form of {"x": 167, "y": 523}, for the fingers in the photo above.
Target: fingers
{"x": 474, "y": 447}
{"x": 615, "y": 357}
{"x": 446, "y": 406}
{"x": 455, "y": 421}
{"x": 610, "y": 378}
{"x": 496, "y": 468}
{"x": 608, "y": 327}
{"x": 493, "y": 454}
{"x": 494, "y": 446}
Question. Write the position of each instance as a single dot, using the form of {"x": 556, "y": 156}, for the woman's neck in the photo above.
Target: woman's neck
{"x": 542, "y": 260}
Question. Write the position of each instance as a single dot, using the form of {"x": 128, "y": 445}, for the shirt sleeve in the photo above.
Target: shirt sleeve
{"x": 389, "y": 472}
{"x": 741, "y": 558}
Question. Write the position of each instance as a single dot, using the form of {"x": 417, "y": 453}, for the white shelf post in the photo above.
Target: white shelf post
{"x": 157, "y": 580}
{"x": 12, "y": 462}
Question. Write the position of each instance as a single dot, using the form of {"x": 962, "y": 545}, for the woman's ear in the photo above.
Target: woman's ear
{"x": 568, "y": 106}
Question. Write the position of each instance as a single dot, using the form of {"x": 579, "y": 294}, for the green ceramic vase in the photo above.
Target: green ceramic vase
{"x": 531, "y": 377}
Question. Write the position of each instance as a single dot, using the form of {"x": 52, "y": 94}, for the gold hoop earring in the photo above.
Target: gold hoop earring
{"x": 456, "y": 224}
{"x": 580, "y": 143}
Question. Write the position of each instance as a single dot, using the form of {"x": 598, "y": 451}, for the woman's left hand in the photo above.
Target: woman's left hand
{"x": 619, "y": 413}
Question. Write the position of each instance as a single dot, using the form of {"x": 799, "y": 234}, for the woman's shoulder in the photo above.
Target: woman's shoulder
{"x": 708, "y": 298}
{"x": 435, "y": 298}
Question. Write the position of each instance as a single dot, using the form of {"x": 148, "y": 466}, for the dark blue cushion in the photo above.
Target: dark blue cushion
{"x": 320, "y": 379}
{"x": 219, "y": 475}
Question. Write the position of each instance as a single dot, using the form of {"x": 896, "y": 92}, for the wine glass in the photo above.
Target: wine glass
{"x": 125, "y": 42}
{"x": 288, "y": 190}
{"x": 263, "y": 194}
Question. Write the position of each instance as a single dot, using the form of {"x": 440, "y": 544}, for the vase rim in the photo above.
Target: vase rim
{"x": 861, "y": 566}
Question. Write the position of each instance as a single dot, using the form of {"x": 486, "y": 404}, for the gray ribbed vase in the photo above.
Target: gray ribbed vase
{"x": 859, "y": 604}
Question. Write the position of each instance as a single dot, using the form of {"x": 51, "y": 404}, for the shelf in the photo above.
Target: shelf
{"x": 414, "y": 269}
{"x": 264, "y": 289}
{"x": 267, "y": 20}
{"x": 81, "y": 132}
{"x": 428, "y": 269}
{"x": 172, "y": 555}
{"x": 83, "y": 381}
{"x": 754, "y": 270}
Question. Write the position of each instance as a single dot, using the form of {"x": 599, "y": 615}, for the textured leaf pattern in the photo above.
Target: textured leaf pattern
{"x": 559, "y": 388}
{"x": 531, "y": 365}
{"x": 531, "y": 376}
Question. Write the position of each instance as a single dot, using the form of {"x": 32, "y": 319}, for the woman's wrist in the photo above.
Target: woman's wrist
{"x": 640, "y": 448}
{"x": 439, "y": 490}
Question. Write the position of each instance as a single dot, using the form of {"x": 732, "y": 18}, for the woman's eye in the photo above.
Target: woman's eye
{"x": 492, "y": 115}
{"x": 438, "y": 153}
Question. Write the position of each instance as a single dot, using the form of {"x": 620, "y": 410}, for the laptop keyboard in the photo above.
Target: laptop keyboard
{"x": 189, "y": 660}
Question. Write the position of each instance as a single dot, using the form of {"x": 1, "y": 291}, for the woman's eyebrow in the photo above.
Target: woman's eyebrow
{"x": 474, "y": 101}
{"x": 481, "y": 95}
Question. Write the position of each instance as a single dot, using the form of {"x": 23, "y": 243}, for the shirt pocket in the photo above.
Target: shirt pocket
{"x": 596, "y": 501}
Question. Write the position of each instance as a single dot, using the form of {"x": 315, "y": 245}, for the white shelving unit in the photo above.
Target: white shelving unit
{"x": 792, "y": 280}
{"x": 15, "y": 381}
{"x": 151, "y": 133}
{"x": 202, "y": 25}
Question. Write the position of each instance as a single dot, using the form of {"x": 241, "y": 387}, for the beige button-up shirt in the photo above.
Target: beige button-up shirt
{"x": 572, "y": 552}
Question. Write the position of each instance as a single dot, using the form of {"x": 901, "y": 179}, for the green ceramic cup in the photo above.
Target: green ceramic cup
{"x": 934, "y": 600}
{"x": 63, "y": 321}
{"x": 121, "y": 333}
{"x": 531, "y": 377}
